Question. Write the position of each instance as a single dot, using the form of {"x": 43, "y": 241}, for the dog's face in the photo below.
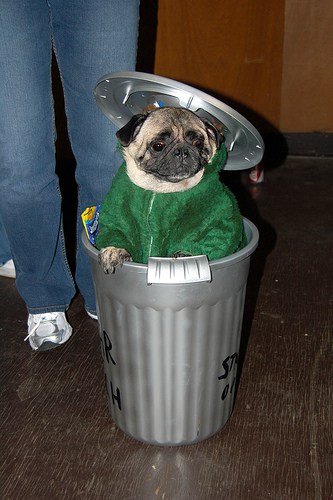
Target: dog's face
{"x": 167, "y": 149}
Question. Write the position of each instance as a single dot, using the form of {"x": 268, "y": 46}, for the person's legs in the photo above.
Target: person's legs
{"x": 90, "y": 40}
{"x": 5, "y": 253}
{"x": 30, "y": 203}
{"x": 7, "y": 267}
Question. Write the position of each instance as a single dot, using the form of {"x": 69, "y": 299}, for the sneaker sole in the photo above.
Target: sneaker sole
{"x": 47, "y": 345}
{"x": 92, "y": 316}
{"x": 4, "y": 273}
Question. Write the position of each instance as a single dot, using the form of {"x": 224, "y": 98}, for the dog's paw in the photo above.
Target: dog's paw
{"x": 112, "y": 257}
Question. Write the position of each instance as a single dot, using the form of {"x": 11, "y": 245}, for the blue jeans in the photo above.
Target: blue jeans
{"x": 5, "y": 253}
{"x": 90, "y": 39}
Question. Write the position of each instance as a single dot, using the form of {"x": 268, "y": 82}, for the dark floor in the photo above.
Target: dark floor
{"x": 58, "y": 441}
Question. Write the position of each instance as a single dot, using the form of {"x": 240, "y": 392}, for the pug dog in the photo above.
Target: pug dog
{"x": 166, "y": 200}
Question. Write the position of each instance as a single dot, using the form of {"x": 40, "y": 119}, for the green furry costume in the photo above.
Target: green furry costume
{"x": 202, "y": 220}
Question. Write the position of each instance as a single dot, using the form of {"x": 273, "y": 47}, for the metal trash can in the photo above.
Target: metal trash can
{"x": 170, "y": 334}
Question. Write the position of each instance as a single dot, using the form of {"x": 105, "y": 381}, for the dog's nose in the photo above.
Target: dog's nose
{"x": 181, "y": 152}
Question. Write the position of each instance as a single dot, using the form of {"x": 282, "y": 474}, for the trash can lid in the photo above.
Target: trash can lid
{"x": 122, "y": 95}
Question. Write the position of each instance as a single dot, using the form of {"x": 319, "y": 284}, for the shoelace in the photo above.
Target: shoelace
{"x": 42, "y": 317}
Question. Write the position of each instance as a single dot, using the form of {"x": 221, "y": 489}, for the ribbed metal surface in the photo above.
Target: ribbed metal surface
{"x": 167, "y": 370}
{"x": 180, "y": 270}
{"x": 170, "y": 351}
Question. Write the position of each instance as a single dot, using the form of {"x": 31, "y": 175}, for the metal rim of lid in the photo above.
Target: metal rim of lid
{"x": 124, "y": 94}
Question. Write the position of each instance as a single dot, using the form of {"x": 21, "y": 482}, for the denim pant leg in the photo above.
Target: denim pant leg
{"x": 92, "y": 39}
{"x": 30, "y": 203}
{"x": 5, "y": 253}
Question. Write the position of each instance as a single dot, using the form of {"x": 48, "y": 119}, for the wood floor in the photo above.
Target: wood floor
{"x": 59, "y": 442}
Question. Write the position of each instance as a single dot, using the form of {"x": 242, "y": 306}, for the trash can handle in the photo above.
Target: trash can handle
{"x": 163, "y": 270}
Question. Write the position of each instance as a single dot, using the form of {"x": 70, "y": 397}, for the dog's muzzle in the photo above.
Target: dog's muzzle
{"x": 176, "y": 163}
{"x": 181, "y": 153}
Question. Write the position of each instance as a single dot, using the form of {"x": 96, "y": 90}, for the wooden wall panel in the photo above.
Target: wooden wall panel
{"x": 231, "y": 49}
{"x": 273, "y": 57}
{"x": 307, "y": 84}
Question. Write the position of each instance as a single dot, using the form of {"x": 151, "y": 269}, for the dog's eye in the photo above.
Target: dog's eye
{"x": 158, "y": 146}
{"x": 198, "y": 143}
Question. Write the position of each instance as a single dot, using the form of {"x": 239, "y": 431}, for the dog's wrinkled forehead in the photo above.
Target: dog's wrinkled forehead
{"x": 176, "y": 123}
{"x": 173, "y": 121}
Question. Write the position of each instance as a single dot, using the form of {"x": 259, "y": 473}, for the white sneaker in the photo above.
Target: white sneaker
{"x": 48, "y": 330}
{"x": 92, "y": 315}
{"x": 8, "y": 269}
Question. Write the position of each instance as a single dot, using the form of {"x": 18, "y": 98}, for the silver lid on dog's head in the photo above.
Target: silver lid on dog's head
{"x": 122, "y": 95}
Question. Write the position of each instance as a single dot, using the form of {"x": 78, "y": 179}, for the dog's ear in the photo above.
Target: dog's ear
{"x": 128, "y": 132}
{"x": 214, "y": 133}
